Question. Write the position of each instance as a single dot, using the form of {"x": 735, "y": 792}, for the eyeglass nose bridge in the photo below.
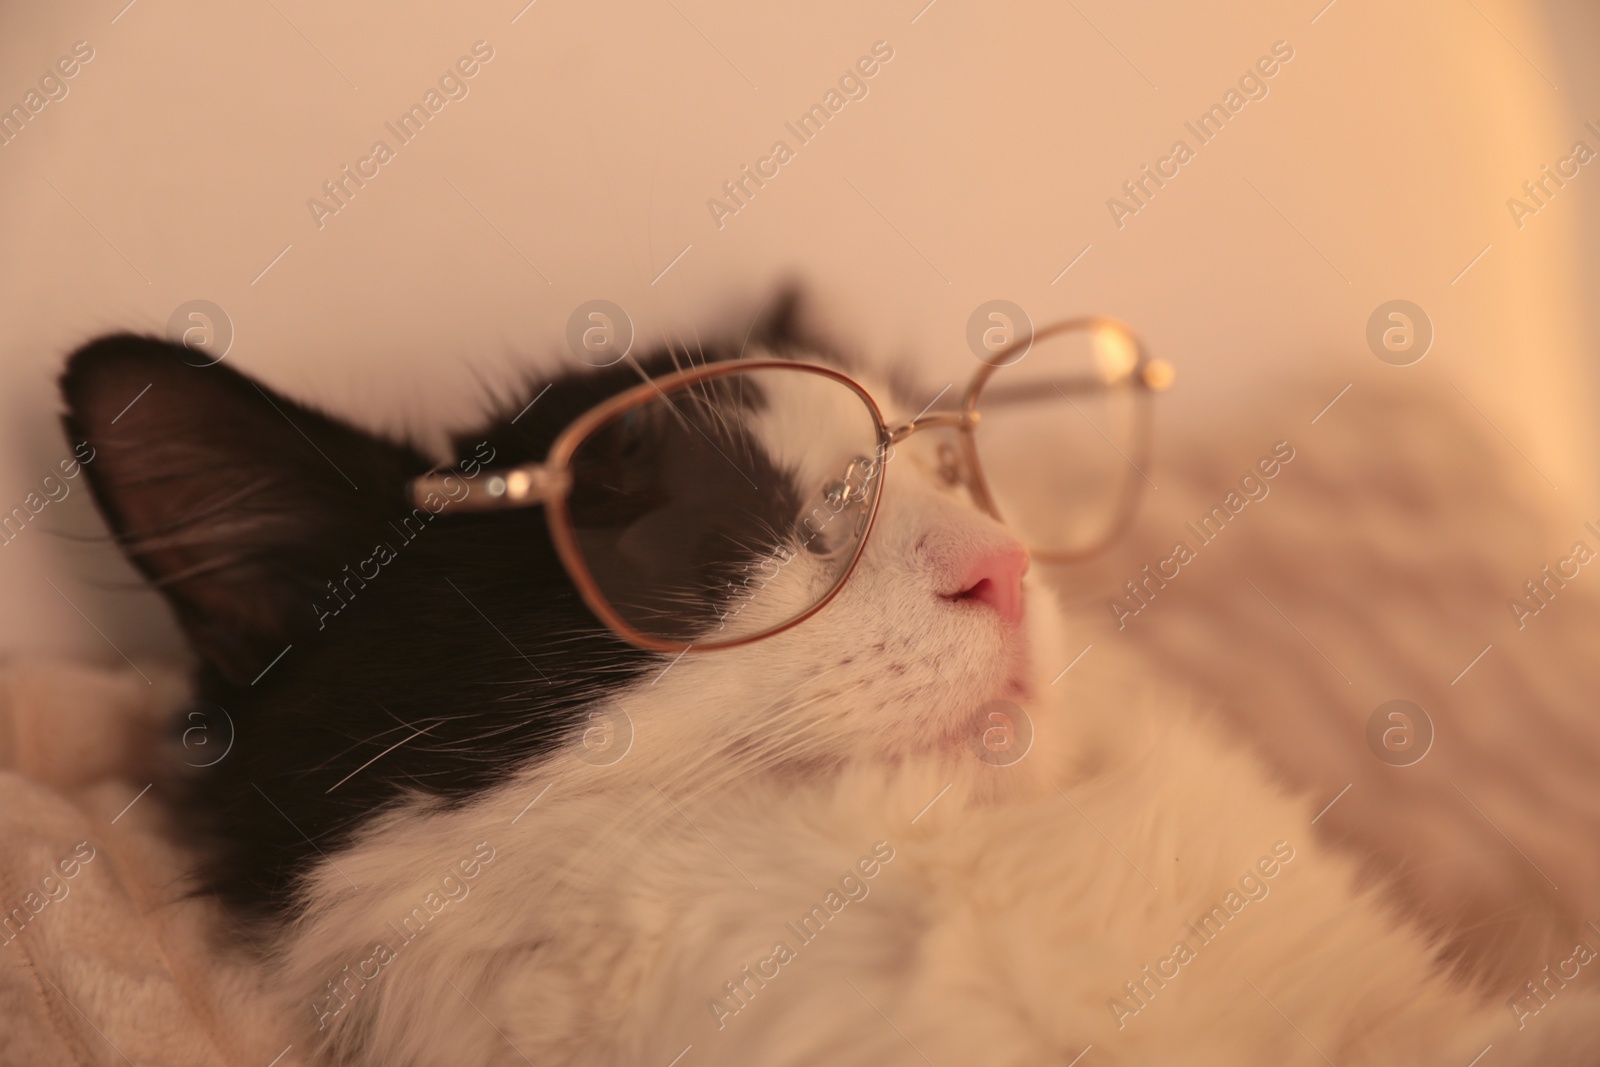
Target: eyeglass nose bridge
{"x": 966, "y": 419}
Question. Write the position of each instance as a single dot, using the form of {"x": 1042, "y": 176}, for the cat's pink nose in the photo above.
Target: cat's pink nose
{"x": 995, "y": 578}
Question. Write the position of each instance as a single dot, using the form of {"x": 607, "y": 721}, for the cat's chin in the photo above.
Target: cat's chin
{"x": 1000, "y": 711}
{"x": 1020, "y": 686}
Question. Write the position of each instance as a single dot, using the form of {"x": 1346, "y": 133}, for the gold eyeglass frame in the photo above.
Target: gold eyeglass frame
{"x": 550, "y": 483}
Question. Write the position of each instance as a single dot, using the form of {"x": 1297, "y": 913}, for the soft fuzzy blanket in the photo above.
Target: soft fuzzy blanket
{"x": 103, "y": 958}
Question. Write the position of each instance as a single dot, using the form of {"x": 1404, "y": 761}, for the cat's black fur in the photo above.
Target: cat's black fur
{"x": 468, "y": 654}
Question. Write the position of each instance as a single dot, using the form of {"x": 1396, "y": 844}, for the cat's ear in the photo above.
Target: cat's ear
{"x": 787, "y": 326}
{"x": 237, "y": 503}
{"x": 780, "y": 325}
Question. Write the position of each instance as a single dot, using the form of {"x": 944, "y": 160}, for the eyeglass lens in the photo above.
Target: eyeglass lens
{"x": 687, "y": 506}
{"x": 1060, "y": 438}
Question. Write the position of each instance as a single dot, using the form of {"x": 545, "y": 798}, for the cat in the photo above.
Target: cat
{"x": 463, "y": 822}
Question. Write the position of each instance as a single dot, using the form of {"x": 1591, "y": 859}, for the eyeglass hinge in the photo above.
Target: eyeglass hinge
{"x": 531, "y": 483}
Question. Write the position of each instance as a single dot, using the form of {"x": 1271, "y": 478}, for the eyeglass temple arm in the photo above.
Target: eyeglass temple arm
{"x": 518, "y": 487}
{"x": 1155, "y": 375}
{"x": 1152, "y": 374}
{"x": 538, "y": 483}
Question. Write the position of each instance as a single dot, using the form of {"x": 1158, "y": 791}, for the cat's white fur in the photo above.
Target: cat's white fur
{"x": 600, "y": 914}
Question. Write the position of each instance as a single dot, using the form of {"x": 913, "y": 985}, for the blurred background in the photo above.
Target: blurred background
{"x": 179, "y": 164}
{"x": 1393, "y": 153}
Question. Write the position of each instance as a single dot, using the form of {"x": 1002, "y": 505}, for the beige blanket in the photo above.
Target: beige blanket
{"x": 102, "y": 959}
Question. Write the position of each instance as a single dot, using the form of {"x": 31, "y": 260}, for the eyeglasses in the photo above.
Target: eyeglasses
{"x": 670, "y": 514}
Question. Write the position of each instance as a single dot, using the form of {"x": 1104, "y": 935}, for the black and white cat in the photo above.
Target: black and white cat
{"x": 465, "y": 823}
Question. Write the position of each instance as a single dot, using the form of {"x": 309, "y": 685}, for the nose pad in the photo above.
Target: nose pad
{"x": 995, "y": 578}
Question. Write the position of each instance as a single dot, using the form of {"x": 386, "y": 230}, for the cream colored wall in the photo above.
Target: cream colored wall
{"x": 978, "y": 166}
